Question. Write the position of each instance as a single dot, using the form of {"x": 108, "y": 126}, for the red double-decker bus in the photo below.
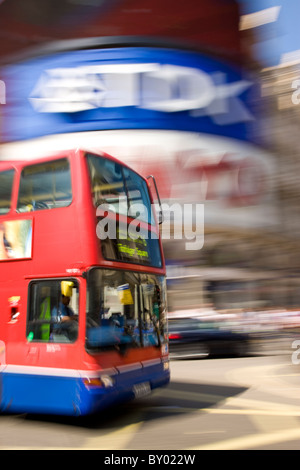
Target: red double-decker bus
{"x": 82, "y": 285}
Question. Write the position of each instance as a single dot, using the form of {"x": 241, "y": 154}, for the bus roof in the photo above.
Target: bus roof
{"x": 42, "y": 157}
{"x": 7, "y": 164}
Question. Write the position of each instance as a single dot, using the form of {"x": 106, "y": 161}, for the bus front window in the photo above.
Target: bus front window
{"x": 121, "y": 188}
{"x": 125, "y": 310}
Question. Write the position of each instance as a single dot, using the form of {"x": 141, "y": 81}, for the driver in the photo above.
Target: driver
{"x": 64, "y": 318}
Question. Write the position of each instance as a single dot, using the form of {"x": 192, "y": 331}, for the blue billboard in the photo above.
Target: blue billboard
{"x": 126, "y": 88}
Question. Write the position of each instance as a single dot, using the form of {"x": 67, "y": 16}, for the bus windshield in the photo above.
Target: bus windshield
{"x": 124, "y": 310}
{"x": 6, "y": 182}
{"x": 121, "y": 188}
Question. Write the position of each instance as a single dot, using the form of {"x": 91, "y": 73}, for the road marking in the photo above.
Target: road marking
{"x": 272, "y": 423}
{"x": 252, "y": 441}
{"x": 260, "y": 404}
{"x": 251, "y": 412}
{"x": 283, "y": 375}
{"x": 204, "y": 432}
{"x": 116, "y": 440}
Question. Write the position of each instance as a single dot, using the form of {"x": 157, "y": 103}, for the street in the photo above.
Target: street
{"x": 238, "y": 404}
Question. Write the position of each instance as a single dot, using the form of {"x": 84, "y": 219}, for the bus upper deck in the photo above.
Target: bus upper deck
{"x": 82, "y": 285}
{"x": 78, "y": 186}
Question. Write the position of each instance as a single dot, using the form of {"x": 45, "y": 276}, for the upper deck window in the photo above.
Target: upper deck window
{"x": 6, "y": 182}
{"x": 124, "y": 190}
{"x": 45, "y": 186}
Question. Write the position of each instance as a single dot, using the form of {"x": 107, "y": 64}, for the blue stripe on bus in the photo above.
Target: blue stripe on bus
{"x": 33, "y": 393}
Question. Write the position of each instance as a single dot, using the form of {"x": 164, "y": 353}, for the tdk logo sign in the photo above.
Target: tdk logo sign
{"x": 155, "y": 87}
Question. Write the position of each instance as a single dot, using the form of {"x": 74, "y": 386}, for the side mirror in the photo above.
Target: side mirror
{"x": 160, "y": 212}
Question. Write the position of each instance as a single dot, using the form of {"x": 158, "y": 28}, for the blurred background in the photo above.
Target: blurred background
{"x": 203, "y": 95}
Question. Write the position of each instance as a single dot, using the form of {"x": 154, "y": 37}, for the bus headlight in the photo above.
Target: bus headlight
{"x": 104, "y": 381}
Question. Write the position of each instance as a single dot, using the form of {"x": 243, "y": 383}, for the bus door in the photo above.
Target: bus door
{"x": 53, "y": 320}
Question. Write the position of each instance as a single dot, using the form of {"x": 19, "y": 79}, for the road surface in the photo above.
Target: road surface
{"x": 236, "y": 403}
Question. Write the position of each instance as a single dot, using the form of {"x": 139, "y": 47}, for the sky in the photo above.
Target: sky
{"x": 278, "y": 37}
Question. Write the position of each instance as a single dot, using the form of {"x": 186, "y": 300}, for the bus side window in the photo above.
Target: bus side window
{"x": 45, "y": 186}
{"x": 52, "y": 316}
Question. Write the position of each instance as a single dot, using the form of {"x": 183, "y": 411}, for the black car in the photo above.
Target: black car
{"x": 196, "y": 338}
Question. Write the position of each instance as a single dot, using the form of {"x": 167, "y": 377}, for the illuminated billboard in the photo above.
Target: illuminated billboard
{"x": 126, "y": 88}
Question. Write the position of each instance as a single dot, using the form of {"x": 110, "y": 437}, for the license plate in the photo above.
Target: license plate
{"x": 141, "y": 390}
